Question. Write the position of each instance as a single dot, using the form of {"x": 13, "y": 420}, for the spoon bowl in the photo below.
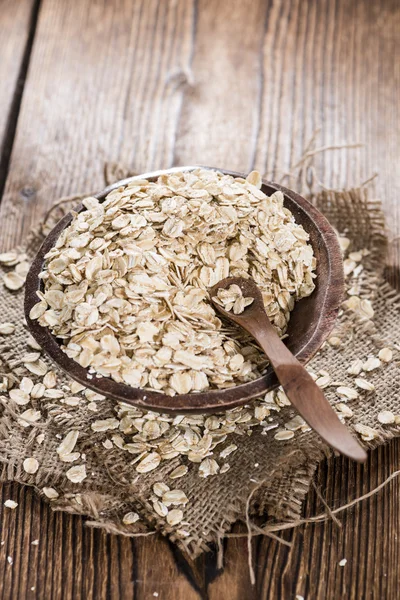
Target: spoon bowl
{"x": 312, "y": 318}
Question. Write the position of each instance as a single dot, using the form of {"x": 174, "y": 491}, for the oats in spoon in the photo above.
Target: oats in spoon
{"x": 232, "y": 298}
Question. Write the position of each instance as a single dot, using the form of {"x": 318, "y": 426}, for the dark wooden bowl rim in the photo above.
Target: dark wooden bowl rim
{"x": 311, "y": 320}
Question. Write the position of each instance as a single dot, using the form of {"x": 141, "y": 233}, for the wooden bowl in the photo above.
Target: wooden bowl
{"x": 312, "y": 318}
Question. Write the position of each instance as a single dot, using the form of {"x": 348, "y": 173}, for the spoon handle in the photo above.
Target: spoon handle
{"x": 304, "y": 393}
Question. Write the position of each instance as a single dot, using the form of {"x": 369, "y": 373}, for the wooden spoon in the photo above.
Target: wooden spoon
{"x": 298, "y": 384}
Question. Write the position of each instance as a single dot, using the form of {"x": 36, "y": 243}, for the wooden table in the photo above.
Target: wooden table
{"x": 236, "y": 84}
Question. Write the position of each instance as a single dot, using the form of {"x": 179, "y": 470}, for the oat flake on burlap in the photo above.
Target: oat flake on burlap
{"x": 108, "y": 490}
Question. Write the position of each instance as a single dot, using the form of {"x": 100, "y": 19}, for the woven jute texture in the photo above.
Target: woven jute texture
{"x": 281, "y": 471}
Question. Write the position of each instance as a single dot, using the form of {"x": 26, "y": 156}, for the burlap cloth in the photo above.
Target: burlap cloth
{"x": 277, "y": 474}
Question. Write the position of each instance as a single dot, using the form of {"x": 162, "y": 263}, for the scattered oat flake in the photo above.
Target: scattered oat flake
{"x": 228, "y": 450}
{"x": 324, "y": 381}
{"x": 386, "y": 417}
{"x": 32, "y": 343}
{"x": 343, "y": 562}
{"x": 71, "y": 457}
{"x": 284, "y": 435}
{"x": 10, "y": 560}
{"x": 19, "y": 397}
{"x": 281, "y": 399}
{"x": 31, "y": 465}
{"x": 38, "y": 391}
{"x": 7, "y": 328}
{"x": 174, "y": 516}
{"x": 174, "y": 497}
{"x": 385, "y": 355}
{"x": 361, "y": 307}
{"x": 364, "y": 384}
{"x": 30, "y": 357}
{"x": 72, "y": 401}
{"x": 10, "y": 504}
{"x": 35, "y": 543}
{"x": 76, "y": 474}
{"x": 371, "y": 364}
{"x": 26, "y": 385}
{"x": 50, "y": 380}
{"x": 105, "y": 424}
{"x": 160, "y": 508}
{"x": 208, "y": 467}
{"x": 179, "y": 472}
{"x": 296, "y": 423}
{"x": 355, "y": 367}
{"x": 54, "y": 394}
{"x": 367, "y": 433}
{"x": 130, "y": 518}
{"x": 344, "y": 409}
{"x": 13, "y": 281}
{"x": 148, "y": 463}
{"x": 347, "y": 392}
{"x": 37, "y": 367}
{"x": 68, "y": 443}
{"x": 76, "y": 387}
{"x": 50, "y": 493}
{"x": 344, "y": 243}
{"x": 160, "y": 488}
{"x": 29, "y": 417}
{"x": 348, "y": 266}
{"x": 9, "y": 257}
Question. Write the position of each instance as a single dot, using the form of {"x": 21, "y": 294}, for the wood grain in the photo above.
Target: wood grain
{"x": 237, "y": 85}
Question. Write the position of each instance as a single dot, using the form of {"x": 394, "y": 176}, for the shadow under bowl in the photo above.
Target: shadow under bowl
{"x": 311, "y": 322}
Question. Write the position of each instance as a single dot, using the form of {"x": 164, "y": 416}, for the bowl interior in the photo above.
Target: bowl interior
{"x": 312, "y": 318}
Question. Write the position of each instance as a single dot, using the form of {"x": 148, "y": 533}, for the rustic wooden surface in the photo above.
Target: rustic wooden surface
{"x": 236, "y": 84}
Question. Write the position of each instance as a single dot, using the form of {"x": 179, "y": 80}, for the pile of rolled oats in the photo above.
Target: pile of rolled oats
{"x": 125, "y": 286}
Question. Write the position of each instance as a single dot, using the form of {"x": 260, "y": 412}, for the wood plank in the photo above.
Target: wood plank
{"x": 232, "y": 84}
{"x": 220, "y": 113}
{"x": 17, "y": 20}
